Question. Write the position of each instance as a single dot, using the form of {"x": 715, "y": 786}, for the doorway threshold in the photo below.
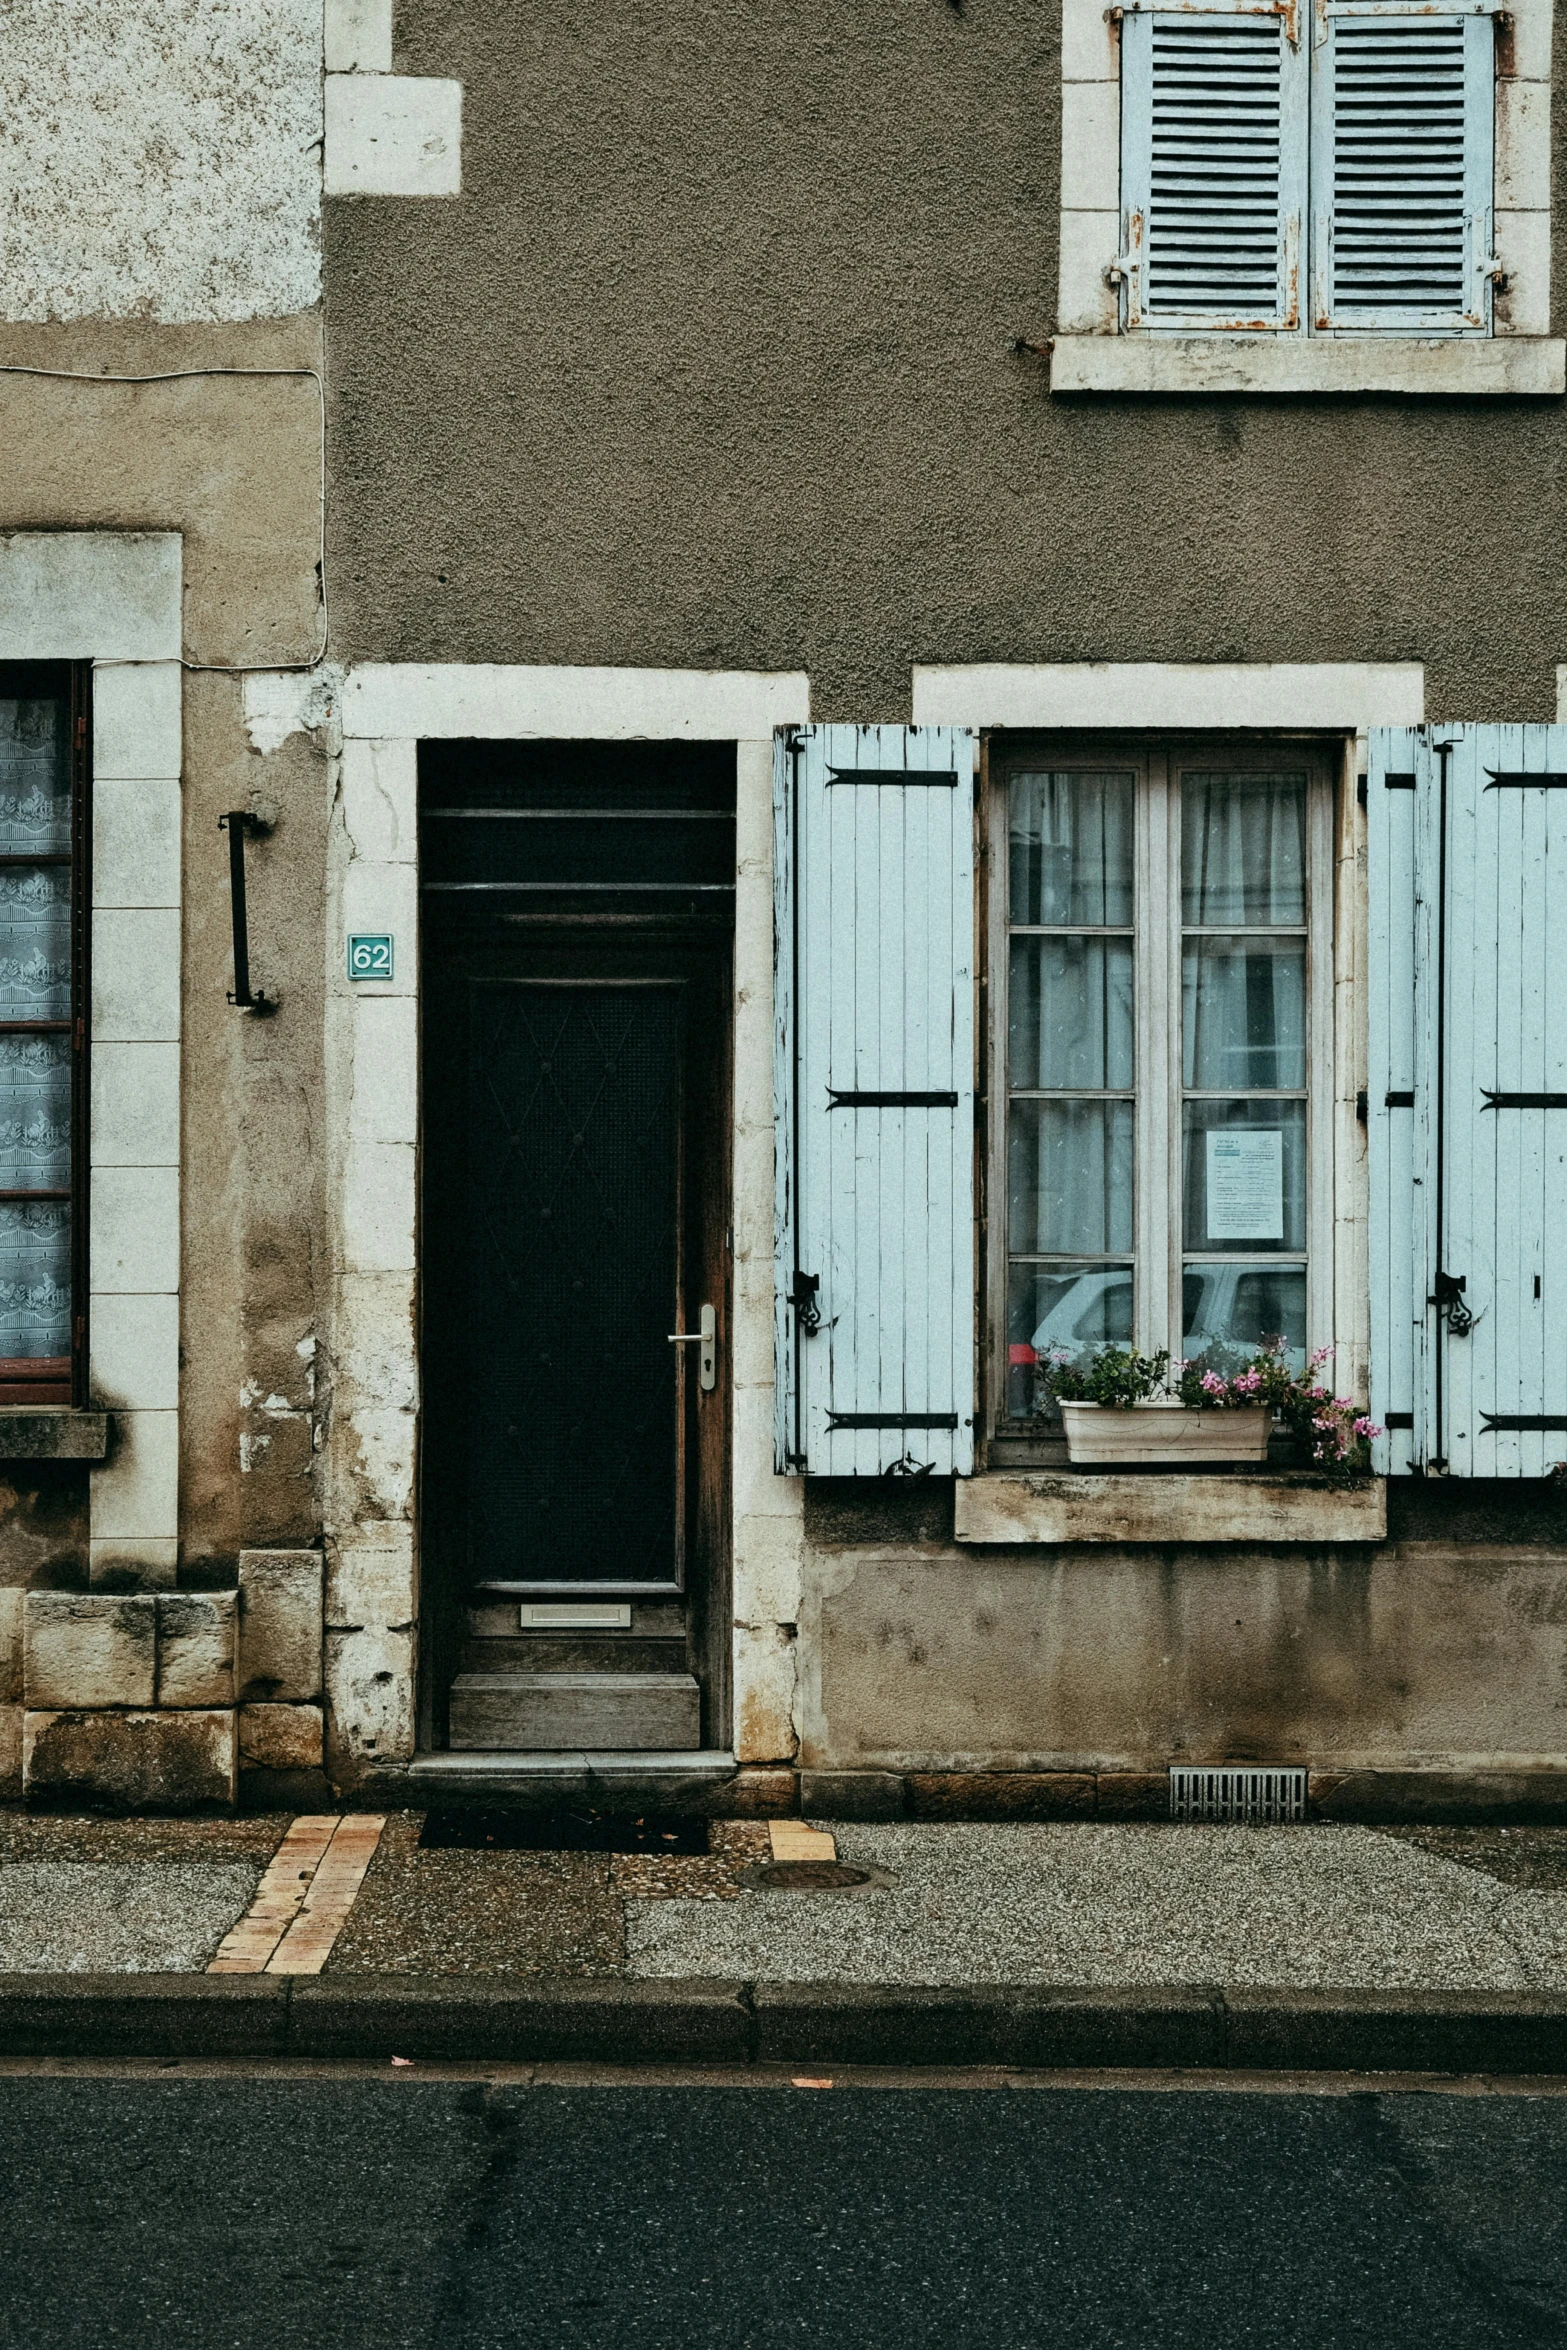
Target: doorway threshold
{"x": 547, "y": 1777}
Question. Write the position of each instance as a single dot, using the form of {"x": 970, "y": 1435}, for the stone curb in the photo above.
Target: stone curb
{"x": 554, "y": 2019}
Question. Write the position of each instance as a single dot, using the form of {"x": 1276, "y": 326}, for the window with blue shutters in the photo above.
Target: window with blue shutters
{"x": 874, "y": 1014}
{"x": 1294, "y": 171}
{"x": 1468, "y": 1098}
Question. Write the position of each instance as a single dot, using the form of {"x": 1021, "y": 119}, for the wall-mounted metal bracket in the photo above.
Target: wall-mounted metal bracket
{"x": 237, "y": 823}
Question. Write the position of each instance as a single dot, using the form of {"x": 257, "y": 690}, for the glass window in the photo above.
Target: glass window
{"x": 42, "y": 1042}
{"x": 1070, "y": 1063}
{"x": 1163, "y": 950}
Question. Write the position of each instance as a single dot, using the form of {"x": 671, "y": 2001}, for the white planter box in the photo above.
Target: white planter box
{"x": 1162, "y": 1430}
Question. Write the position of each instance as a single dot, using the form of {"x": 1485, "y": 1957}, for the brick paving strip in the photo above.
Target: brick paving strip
{"x": 303, "y": 1899}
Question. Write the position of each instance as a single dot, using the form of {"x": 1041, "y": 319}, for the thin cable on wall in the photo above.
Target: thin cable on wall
{"x": 171, "y": 375}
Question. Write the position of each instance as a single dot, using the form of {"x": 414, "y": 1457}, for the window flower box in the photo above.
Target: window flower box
{"x": 1161, "y": 1430}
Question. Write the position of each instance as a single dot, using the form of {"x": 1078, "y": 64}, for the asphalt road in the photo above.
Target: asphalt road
{"x": 239, "y": 2212}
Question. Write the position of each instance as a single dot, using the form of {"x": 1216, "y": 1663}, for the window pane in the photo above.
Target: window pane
{"x": 1069, "y": 1177}
{"x": 35, "y": 943}
{"x": 35, "y": 1113}
{"x": 1070, "y": 1305}
{"x": 35, "y": 1280}
{"x": 35, "y": 776}
{"x": 1245, "y": 1168}
{"x": 1243, "y": 1011}
{"x": 1071, "y": 849}
{"x": 1235, "y": 1309}
{"x": 1069, "y": 1012}
{"x": 1243, "y": 848}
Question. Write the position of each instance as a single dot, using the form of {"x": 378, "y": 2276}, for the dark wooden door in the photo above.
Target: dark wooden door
{"x": 575, "y": 1140}
{"x": 577, "y": 914}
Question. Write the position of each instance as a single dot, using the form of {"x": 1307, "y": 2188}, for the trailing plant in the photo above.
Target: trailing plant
{"x": 1331, "y": 1430}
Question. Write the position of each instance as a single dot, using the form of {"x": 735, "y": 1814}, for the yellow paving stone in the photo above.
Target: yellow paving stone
{"x": 793, "y": 1840}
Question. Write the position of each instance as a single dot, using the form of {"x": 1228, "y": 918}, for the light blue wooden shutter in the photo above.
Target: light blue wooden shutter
{"x": 1403, "y": 131}
{"x": 1402, "y": 824}
{"x": 1213, "y": 169}
{"x": 874, "y": 1012}
{"x": 1477, "y": 1263}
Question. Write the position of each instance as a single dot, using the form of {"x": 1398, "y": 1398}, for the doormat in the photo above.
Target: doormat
{"x": 562, "y": 1831}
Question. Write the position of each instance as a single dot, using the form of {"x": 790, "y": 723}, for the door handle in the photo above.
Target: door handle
{"x": 706, "y": 1337}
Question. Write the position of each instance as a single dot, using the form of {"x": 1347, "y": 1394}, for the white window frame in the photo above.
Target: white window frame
{"x": 1091, "y": 351}
{"x": 1160, "y": 1255}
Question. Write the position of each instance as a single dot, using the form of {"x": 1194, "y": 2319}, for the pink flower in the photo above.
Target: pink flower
{"x": 1212, "y": 1384}
{"x": 1366, "y": 1426}
{"x": 1248, "y": 1382}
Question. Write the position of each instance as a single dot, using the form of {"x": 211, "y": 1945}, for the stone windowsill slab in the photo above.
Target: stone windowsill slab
{"x": 1512, "y": 366}
{"x": 38, "y": 1432}
{"x": 1063, "y": 1506}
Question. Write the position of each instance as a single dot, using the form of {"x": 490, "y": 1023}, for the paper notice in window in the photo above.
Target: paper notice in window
{"x": 1245, "y": 1183}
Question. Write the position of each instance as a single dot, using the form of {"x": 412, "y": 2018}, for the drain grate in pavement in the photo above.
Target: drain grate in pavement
{"x": 562, "y": 1831}
{"x": 1237, "y": 1792}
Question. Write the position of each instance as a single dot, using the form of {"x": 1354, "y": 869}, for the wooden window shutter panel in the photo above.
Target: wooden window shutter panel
{"x": 1213, "y": 169}
{"x": 1478, "y": 1253}
{"x": 874, "y": 1021}
{"x": 1404, "y": 113}
{"x": 1401, "y": 817}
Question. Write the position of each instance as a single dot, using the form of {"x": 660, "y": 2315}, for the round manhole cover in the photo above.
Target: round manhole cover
{"x": 809, "y": 1876}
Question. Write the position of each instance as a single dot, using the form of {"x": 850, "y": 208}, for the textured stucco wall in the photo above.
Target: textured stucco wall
{"x": 159, "y": 158}
{"x": 711, "y": 363}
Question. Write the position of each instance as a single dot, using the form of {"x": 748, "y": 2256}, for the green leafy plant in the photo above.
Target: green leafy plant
{"x": 1113, "y": 1376}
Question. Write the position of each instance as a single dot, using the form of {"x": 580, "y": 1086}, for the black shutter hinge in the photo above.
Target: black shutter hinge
{"x": 802, "y": 1296}
{"x": 1362, "y": 1106}
{"x": 1448, "y": 1298}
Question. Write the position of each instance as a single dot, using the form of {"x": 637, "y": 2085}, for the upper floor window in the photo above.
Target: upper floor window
{"x": 1261, "y": 195}
{"x": 1289, "y": 171}
{"x": 43, "y": 954}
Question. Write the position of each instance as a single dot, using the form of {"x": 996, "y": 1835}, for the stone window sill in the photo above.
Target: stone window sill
{"x": 38, "y": 1432}
{"x": 1260, "y": 1507}
{"x": 1511, "y": 366}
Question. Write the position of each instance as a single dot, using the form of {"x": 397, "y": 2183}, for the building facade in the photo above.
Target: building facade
{"x": 716, "y": 728}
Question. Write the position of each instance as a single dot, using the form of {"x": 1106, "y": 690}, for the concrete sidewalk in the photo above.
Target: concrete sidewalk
{"x": 977, "y": 1921}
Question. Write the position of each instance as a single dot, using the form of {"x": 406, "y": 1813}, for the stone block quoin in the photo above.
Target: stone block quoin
{"x": 280, "y": 1617}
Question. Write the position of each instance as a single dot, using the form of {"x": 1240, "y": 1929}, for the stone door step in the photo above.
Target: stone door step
{"x": 569, "y": 1712}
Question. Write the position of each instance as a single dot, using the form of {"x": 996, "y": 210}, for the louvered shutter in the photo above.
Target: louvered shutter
{"x": 1404, "y": 112}
{"x": 1213, "y": 169}
{"x": 874, "y": 1017}
{"x": 1474, "y": 872}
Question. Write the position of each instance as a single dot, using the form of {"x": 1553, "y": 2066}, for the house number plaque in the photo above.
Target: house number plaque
{"x": 370, "y": 954}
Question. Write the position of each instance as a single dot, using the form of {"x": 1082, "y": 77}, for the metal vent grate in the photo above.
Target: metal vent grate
{"x": 1236, "y": 1792}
